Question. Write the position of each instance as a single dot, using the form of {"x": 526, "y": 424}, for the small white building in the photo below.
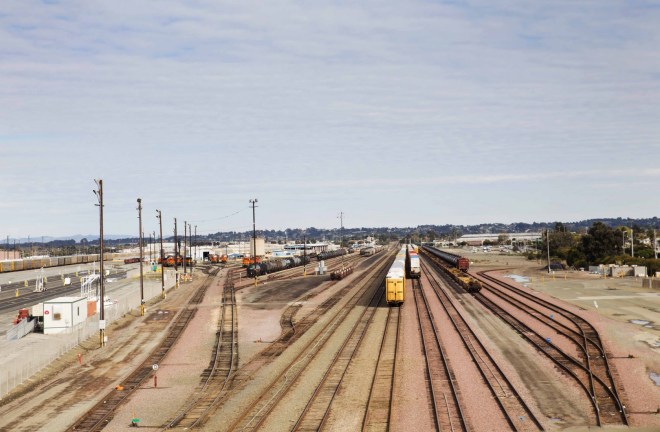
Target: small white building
{"x": 64, "y": 313}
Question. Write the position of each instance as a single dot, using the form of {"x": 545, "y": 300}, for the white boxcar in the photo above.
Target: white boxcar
{"x": 64, "y": 313}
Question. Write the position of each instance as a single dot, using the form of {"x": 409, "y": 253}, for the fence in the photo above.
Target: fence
{"x": 23, "y": 358}
{"x": 21, "y": 329}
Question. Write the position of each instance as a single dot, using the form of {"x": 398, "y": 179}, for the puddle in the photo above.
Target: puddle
{"x": 640, "y": 322}
{"x": 518, "y": 278}
{"x": 655, "y": 377}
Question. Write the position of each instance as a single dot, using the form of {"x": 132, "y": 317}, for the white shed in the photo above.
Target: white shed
{"x": 63, "y": 313}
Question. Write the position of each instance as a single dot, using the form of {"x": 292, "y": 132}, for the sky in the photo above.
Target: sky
{"x": 396, "y": 113}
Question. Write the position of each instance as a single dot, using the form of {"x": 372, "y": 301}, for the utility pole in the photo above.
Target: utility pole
{"x": 341, "y": 235}
{"x": 623, "y": 241}
{"x": 176, "y": 255}
{"x": 185, "y": 246}
{"x": 547, "y": 240}
{"x": 254, "y": 235}
{"x": 190, "y": 247}
{"x": 162, "y": 255}
{"x": 195, "y": 254}
{"x": 632, "y": 243}
{"x": 305, "y": 255}
{"x": 99, "y": 196}
{"x": 139, "y": 201}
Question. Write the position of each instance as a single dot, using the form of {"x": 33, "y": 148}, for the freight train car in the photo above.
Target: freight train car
{"x": 456, "y": 267}
{"x": 275, "y": 265}
{"x": 413, "y": 267}
{"x": 395, "y": 281}
{"x": 371, "y": 250}
{"x": 461, "y": 263}
{"x": 331, "y": 254}
{"x": 42, "y": 262}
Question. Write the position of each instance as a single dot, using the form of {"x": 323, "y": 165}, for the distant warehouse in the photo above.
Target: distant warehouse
{"x": 479, "y": 239}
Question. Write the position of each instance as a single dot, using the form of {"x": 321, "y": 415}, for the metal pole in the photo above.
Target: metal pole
{"x": 176, "y": 254}
{"x": 99, "y": 195}
{"x": 547, "y": 240}
{"x": 632, "y": 243}
{"x": 254, "y": 236}
{"x": 185, "y": 246}
{"x": 623, "y": 241}
{"x": 139, "y": 201}
{"x": 655, "y": 245}
{"x": 341, "y": 236}
{"x": 162, "y": 255}
{"x": 195, "y": 242}
{"x": 304, "y": 256}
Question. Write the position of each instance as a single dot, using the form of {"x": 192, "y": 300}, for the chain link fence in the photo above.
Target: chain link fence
{"x": 21, "y": 359}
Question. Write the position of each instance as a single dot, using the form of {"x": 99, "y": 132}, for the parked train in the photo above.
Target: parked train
{"x": 131, "y": 260}
{"x": 37, "y": 263}
{"x": 169, "y": 261}
{"x": 413, "y": 266}
{"x": 275, "y": 265}
{"x": 456, "y": 267}
{"x": 341, "y": 273}
{"x": 371, "y": 250}
{"x": 331, "y": 254}
{"x": 395, "y": 281}
{"x": 461, "y": 263}
{"x": 250, "y": 260}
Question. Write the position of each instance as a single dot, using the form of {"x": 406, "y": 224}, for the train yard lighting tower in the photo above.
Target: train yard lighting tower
{"x": 254, "y": 234}
{"x": 99, "y": 195}
{"x": 162, "y": 255}
{"x": 139, "y": 201}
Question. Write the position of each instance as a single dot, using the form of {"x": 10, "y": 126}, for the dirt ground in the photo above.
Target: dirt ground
{"x": 626, "y": 315}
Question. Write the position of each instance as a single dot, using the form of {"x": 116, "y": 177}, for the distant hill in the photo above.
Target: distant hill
{"x": 383, "y": 233}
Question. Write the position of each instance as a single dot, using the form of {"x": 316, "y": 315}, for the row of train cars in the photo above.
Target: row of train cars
{"x": 276, "y": 264}
{"x": 41, "y": 262}
{"x": 407, "y": 265}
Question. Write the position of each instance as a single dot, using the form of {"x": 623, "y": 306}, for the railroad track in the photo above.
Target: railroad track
{"x": 258, "y": 411}
{"x": 379, "y": 406}
{"x": 315, "y": 413}
{"x": 223, "y": 364}
{"x": 592, "y": 371}
{"x": 52, "y": 289}
{"x": 514, "y": 409}
{"x": 98, "y": 416}
{"x": 442, "y": 386}
{"x": 241, "y": 280}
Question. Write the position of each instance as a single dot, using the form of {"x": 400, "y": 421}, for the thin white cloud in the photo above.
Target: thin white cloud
{"x": 284, "y": 98}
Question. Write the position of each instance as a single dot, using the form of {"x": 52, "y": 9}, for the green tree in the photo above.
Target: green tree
{"x": 600, "y": 243}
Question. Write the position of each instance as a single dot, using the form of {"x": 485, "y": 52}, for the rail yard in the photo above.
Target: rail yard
{"x": 394, "y": 337}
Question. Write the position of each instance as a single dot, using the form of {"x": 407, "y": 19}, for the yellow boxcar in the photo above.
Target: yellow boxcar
{"x": 394, "y": 289}
{"x": 395, "y": 281}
